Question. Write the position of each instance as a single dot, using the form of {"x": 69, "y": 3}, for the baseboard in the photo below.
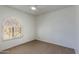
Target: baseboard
{"x": 15, "y": 45}
{"x": 54, "y": 42}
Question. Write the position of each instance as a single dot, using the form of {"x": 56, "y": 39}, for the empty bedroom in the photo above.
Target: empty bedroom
{"x": 39, "y": 29}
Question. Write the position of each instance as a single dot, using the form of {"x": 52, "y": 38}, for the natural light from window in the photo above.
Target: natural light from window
{"x": 11, "y": 29}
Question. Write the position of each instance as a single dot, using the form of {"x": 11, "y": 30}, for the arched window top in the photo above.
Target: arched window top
{"x": 11, "y": 21}
{"x": 11, "y": 28}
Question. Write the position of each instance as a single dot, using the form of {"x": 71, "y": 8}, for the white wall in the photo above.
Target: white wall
{"x": 27, "y": 22}
{"x": 77, "y": 29}
{"x": 58, "y": 27}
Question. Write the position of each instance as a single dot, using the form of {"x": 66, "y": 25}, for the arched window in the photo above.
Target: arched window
{"x": 11, "y": 28}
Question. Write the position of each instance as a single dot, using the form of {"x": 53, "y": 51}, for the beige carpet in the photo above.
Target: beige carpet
{"x": 39, "y": 47}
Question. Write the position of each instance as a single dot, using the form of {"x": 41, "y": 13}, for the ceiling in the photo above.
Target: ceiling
{"x": 41, "y": 9}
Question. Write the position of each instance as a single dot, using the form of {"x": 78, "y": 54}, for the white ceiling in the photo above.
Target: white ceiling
{"x": 40, "y": 8}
